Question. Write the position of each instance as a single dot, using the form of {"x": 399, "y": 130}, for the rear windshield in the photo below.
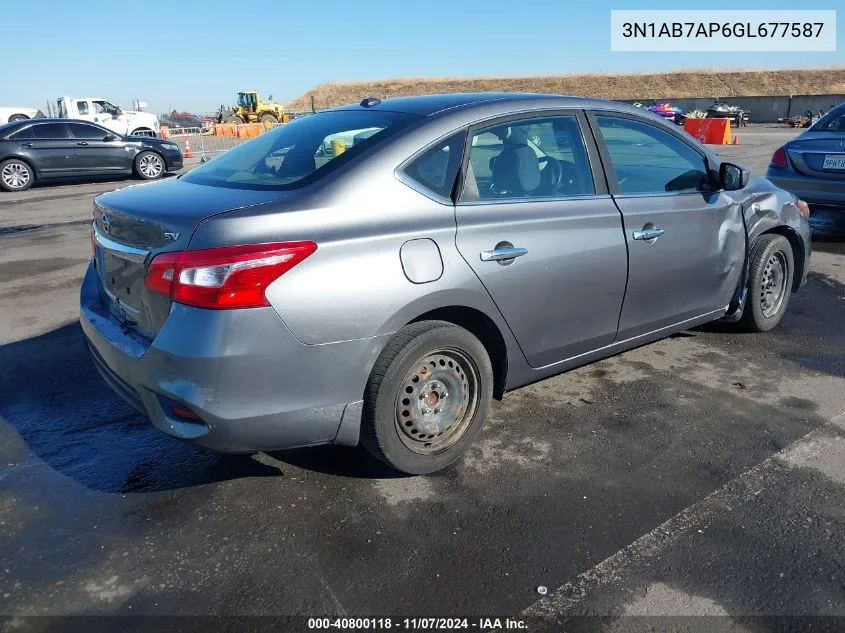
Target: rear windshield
{"x": 299, "y": 152}
{"x": 833, "y": 121}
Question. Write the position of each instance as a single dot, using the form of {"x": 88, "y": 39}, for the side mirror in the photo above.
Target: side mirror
{"x": 110, "y": 137}
{"x": 733, "y": 177}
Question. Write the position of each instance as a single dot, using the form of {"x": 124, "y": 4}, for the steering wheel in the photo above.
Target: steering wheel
{"x": 554, "y": 168}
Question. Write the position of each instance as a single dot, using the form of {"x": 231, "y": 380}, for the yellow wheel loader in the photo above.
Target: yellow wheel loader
{"x": 251, "y": 109}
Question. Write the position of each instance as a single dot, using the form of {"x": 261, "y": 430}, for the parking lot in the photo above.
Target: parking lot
{"x": 703, "y": 475}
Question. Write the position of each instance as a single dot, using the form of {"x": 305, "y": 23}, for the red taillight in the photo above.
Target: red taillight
{"x": 779, "y": 159}
{"x": 227, "y": 277}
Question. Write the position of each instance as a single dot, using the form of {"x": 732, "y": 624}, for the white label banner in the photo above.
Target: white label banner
{"x": 723, "y": 30}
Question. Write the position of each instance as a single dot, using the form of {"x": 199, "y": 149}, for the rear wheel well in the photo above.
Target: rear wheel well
{"x": 23, "y": 160}
{"x": 797, "y": 252}
{"x": 485, "y": 330}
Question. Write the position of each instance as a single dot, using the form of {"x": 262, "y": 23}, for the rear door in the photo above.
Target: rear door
{"x": 52, "y": 148}
{"x": 536, "y": 224}
{"x": 94, "y": 154}
{"x": 686, "y": 242}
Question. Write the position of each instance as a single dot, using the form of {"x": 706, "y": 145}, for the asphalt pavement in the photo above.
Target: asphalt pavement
{"x": 695, "y": 482}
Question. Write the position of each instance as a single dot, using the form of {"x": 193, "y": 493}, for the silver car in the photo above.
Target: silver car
{"x": 445, "y": 250}
{"x": 812, "y": 166}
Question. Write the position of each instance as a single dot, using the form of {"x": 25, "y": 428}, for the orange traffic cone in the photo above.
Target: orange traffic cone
{"x": 188, "y": 152}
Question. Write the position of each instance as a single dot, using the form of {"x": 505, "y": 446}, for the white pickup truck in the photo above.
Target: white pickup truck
{"x": 125, "y": 122}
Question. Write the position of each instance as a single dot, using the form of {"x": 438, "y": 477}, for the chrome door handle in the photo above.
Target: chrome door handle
{"x": 498, "y": 254}
{"x": 82, "y": 143}
{"x": 648, "y": 234}
{"x": 26, "y": 144}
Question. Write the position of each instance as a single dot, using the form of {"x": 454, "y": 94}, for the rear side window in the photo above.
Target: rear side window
{"x": 49, "y": 131}
{"x": 647, "y": 159}
{"x": 22, "y": 135}
{"x": 833, "y": 121}
{"x": 82, "y": 107}
{"x": 437, "y": 168}
{"x": 88, "y": 132}
{"x": 301, "y": 151}
{"x": 530, "y": 158}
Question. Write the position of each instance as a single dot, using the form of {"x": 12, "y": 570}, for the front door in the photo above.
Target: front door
{"x": 94, "y": 154}
{"x": 110, "y": 116}
{"x": 686, "y": 241}
{"x": 52, "y": 148}
{"x": 537, "y": 226}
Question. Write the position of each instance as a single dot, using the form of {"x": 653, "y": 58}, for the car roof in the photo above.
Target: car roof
{"x": 427, "y": 105}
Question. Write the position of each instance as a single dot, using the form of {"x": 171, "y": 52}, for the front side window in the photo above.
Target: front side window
{"x": 49, "y": 131}
{"x": 533, "y": 158}
{"x": 104, "y": 107}
{"x": 437, "y": 168}
{"x": 87, "y": 132}
{"x": 647, "y": 159}
{"x": 82, "y": 107}
{"x": 300, "y": 151}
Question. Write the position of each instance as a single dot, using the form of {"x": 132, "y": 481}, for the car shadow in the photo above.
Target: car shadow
{"x": 53, "y": 399}
{"x": 92, "y": 180}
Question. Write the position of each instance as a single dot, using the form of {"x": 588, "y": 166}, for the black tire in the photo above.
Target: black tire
{"x": 16, "y": 175}
{"x": 145, "y": 159}
{"x": 268, "y": 119}
{"x": 761, "y": 312}
{"x": 233, "y": 120}
{"x": 18, "y": 117}
{"x": 448, "y": 358}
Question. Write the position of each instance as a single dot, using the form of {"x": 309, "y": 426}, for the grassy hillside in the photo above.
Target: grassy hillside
{"x": 686, "y": 83}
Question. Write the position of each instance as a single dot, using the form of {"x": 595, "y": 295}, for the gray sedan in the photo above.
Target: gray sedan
{"x": 812, "y": 166}
{"x": 379, "y": 272}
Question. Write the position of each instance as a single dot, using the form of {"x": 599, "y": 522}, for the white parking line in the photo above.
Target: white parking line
{"x": 563, "y": 599}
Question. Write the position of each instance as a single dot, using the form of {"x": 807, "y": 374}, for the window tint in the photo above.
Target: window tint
{"x": 299, "y": 151}
{"x": 88, "y": 132}
{"x": 647, "y": 159}
{"x": 534, "y": 158}
{"x": 49, "y": 131}
{"x": 22, "y": 134}
{"x": 82, "y": 107}
{"x": 437, "y": 168}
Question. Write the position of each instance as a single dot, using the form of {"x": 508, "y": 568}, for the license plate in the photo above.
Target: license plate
{"x": 834, "y": 161}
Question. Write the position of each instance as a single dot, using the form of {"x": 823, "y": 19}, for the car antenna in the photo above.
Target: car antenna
{"x": 369, "y": 102}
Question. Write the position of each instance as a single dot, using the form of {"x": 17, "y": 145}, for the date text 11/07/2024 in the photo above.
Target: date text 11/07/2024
{"x": 416, "y": 624}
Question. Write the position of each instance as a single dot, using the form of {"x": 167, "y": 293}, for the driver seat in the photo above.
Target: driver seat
{"x": 516, "y": 171}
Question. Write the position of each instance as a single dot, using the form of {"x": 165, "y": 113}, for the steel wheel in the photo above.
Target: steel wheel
{"x": 16, "y": 175}
{"x": 437, "y": 401}
{"x": 773, "y": 284}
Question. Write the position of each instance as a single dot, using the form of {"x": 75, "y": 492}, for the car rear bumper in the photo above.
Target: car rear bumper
{"x": 812, "y": 190}
{"x": 254, "y": 386}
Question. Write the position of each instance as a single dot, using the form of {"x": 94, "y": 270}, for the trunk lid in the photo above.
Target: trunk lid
{"x": 820, "y": 154}
{"x": 134, "y": 224}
